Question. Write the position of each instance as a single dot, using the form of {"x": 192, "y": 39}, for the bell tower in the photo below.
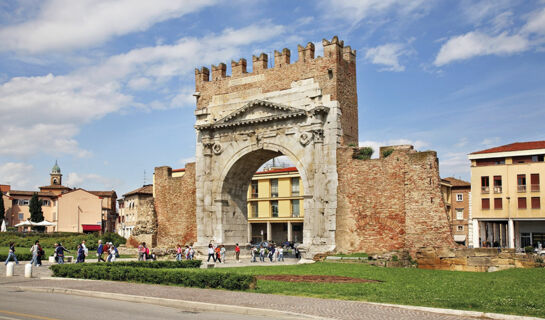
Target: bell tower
{"x": 56, "y": 176}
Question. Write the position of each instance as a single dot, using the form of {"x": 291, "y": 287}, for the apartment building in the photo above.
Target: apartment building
{"x": 457, "y": 197}
{"x": 275, "y": 206}
{"x": 507, "y": 198}
{"x": 129, "y": 212}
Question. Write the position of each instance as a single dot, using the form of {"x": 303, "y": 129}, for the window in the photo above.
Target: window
{"x": 23, "y": 202}
{"x": 45, "y": 203}
{"x": 525, "y": 240}
{"x": 459, "y": 214}
{"x": 295, "y": 208}
{"x": 459, "y": 197}
{"x": 254, "y": 189}
{"x": 534, "y": 182}
{"x": 274, "y": 188}
{"x": 521, "y": 183}
{"x": 536, "y": 203}
{"x": 255, "y": 210}
{"x": 485, "y": 184}
{"x": 497, "y": 184}
{"x": 274, "y": 208}
{"x": 21, "y": 216}
{"x": 485, "y": 203}
{"x": 498, "y": 203}
{"x": 537, "y": 158}
{"x": 501, "y": 161}
{"x": 294, "y": 186}
{"x": 460, "y": 228}
{"x": 522, "y": 203}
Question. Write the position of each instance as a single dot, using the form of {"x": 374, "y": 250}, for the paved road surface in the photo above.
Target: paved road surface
{"x": 16, "y": 304}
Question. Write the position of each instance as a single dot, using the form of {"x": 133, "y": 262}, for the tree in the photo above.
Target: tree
{"x": 36, "y": 213}
{"x": 2, "y": 208}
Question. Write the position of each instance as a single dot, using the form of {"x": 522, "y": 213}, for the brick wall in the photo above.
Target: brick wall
{"x": 175, "y": 206}
{"x": 390, "y": 203}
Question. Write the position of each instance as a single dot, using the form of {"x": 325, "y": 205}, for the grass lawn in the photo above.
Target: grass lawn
{"x": 515, "y": 291}
{"x": 352, "y": 255}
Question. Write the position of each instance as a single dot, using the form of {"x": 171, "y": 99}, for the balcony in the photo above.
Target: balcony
{"x": 521, "y": 188}
{"x": 485, "y": 189}
{"x": 254, "y": 195}
{"x": 534, "y": 187}
{"x": 497, "y": 189}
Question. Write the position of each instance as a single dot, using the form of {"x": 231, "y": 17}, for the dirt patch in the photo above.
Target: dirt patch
{"x": 313, "y": 278}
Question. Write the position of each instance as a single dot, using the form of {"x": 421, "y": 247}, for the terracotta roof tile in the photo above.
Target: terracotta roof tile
{"x": 30, "y": 193}
{"x": 517, "y": 146}
{"x": 147, "y": 189}
{"x": 457, "y": 182}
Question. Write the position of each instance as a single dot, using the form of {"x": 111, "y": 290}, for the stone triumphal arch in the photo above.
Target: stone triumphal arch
{"x": 303, "y": 110}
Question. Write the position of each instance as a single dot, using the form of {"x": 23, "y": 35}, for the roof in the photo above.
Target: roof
{"x": 289, "y": 169}
{"x": 178, "y": 170}
{"x": 54, "y": 186}
{"x": 457, "y": 182}
{"x": 110, "y": 194}
{"x": 517, "y": 146}
{"x": 31, "y": 193}
{"x": 147, "y": 189}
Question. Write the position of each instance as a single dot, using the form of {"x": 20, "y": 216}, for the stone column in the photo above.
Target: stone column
{"x": 511, "y": 232}
{"x": 269, "y": 231}
{"x": 290, "y": 232}
{"x": 476, "y": 232}
{"x": 249, "y": 232}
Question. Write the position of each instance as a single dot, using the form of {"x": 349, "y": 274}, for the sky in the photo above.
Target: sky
{"x": 105, "y": 86}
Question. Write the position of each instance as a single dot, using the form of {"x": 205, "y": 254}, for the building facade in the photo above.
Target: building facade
{"x": 507, "y": 198}
{"x": 275, "y": 210}
{"x": 129, "y": 209}
{"x": 457, "y": 197}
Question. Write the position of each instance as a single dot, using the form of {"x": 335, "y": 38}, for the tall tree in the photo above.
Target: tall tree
{"x": 2, "y": 208}
{"x": 36, "y": 213}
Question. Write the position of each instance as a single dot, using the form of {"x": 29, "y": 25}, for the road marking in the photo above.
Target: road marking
{"x": 31, "y": 316}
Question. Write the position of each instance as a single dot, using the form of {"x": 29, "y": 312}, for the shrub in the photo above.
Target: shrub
{"x": 188, "y": 278}
{"x": 68, "y": 239}
{"x": 184, "y": 264}
{"x": 529, "y": 249}
{"x": 387, "y": 152}
{"x": 364, "y": 153}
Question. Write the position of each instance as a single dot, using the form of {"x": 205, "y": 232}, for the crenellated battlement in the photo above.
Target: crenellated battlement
{"x": 334, "y": 51}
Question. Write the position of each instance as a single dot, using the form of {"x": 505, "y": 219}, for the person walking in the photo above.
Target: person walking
{"x": 85, "y": 250}
{"x": 81, "y": 254}
{"x": 100, "y": 251}
{"x": 11, "y": 253}
{"x": 237, "y": 253}
{"x": 211, "y": 253}
{"x": 60, "y": 253}
{"x": 262, "y": 254}
{"x": 179, "y": 253}
{"x": 271, "y": 253}
{"x": 218, "y": 253}
{"x": 222, "y": 253}
{"x": 34, "y": 249}
{"x": 254, "y": 254}
{"x": 141, "y": 252}
{"x": 41, "y": 253}
{"x": 112, "y": 250}
{"x": 281, "y": 253}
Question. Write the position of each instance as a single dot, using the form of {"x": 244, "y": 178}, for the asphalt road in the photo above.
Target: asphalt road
{"x": 16, "y": 304}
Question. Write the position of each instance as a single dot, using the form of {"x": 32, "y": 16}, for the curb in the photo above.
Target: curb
{"x": 174, "y": 303}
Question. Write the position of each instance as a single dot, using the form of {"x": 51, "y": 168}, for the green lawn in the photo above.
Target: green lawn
{"x": 515, "y": 291}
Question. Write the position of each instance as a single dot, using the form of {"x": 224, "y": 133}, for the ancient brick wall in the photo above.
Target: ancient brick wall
{"x": 175, "y": 206}
{"x": 390, "y": 203}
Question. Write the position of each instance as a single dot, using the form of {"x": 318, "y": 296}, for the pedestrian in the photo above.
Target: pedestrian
{"x": 142, "y": 252}
{"x": 147, "y": 255}
{"x": 81, "y": 254}
{"x": 237, "y": 253}
{"x": 186, "y": 253}
{"x": 262, "y": 254}
{"x": 112, "y": 250}
{"x": 191, "y": 252}
{"x": 211, "y": 253}
{"x": 218, "y": 253}
{"x": 222, "y": 253}
{"x": 11, "y": 253}
{"x": 85, "y": 250}
{"x": 41, "y": 253}
{"x": 179, "y": 253}
{"x": 34, "y": 249}
{"x": 271, "y": 253}
{"x": 60, "y": 253}
{"x": 254, "y": 254}
{"x": 281, "y": 253}
{"x": 100, "y": 251}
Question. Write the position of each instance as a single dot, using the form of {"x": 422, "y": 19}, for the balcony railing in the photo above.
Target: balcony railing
{"x": 485, "y": 189}
{"x": 497, "y": 189}
{"x": 535, "y": 187}
{"x": 255, "y": 195}
{"x": 521, "y": 188}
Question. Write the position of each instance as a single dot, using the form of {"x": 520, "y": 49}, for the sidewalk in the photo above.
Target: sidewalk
{"x": 233, "y": 301}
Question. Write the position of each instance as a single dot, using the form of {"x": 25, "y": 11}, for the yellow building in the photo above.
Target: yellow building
{"x": 275, "y": 206}
{"x": 507, "y": 199}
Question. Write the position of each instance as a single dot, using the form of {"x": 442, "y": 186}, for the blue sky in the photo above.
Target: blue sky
{"x": 106, "y": 87}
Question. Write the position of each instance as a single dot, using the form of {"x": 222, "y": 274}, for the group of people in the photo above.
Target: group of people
{"x": 109, "y": 249}
{"x": 218, "y": 253}
{"x": 144, "y": 253}
{"x": 272, "y": 251}
{"x": 188, "y": 253}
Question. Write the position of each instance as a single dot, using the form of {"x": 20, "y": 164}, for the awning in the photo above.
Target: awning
{"x": 459, "y": 237}
{"x": 91, "y": 227}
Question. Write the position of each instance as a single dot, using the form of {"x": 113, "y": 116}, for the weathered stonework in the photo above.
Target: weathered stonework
{"x": 390, "y": 203}
{"x": 145, "y": 229}
{"x": 175, "y": 206}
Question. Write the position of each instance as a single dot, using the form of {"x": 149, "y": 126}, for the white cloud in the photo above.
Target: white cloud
{"x": 16, "y": 174}
{"x": 66, "y": 24}
{"x": 476, "y": 43}
{"x": 418, "y": 144}
{"x": 491, "y": 142}
{"x": 454, "y": 164}
{"x": 45, "y": 113}
{"x": 91, "y": 181}
{"x": 388, "y": 55}
{"x": 536, "y": 23}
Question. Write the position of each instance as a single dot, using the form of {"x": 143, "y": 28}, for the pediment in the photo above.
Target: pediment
{"x": 256, "y": 111}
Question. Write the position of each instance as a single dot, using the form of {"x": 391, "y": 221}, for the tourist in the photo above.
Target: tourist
{"x": 237, "y": 253}
{"x": 85, "y": 250}
{"x": 59, "y": 250}
{"x": 262, "y": 254}
{"x": 81, "y": 254}
{"x": 100, "y": 251}
{"x": 254, "y": 254}
{"x": 218, "y": 253}
{"x": 186, "y": 253}
{"x": 191, "y": 252}
{"x": 41, "y": 253}
{"x": 146, "y": 252}
{"x": 34, "y": 249}
{"x": 222, "y": 253}
{"x": 112, "y": 250}
{"x": 179, "y": 253}
{"x": 281, "y": 253}
{"x": 211, "y": 253}
{"x": 11, "y": 253}
{"x": 271, "y": 253}
{"x": 142, "y": 252}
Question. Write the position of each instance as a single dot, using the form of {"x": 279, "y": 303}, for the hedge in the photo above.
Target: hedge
{"x": 22, "y": 256}
{"x": 69, "y": 240}
{"x": 155, "y": 264}
{"x": 188, "y": 278}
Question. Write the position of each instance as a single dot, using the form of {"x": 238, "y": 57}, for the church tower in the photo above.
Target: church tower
{"x": 56, "y": 176}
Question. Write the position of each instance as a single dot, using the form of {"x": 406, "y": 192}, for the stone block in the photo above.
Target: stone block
{"x": 479, "y": 261}
{"x": 445, "y": 252}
